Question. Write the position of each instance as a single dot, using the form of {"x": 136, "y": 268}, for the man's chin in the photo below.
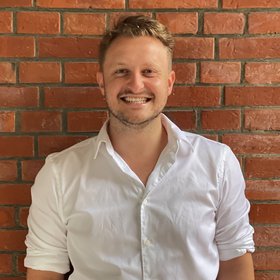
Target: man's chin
{"x": 137, "y": 123}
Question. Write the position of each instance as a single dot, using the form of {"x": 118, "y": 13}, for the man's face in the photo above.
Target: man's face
{"x": 136, "y": 80}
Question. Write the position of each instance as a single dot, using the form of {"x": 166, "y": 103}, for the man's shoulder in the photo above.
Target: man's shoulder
{"x": 79, "y": 150}
{"x": 199, "y": 141}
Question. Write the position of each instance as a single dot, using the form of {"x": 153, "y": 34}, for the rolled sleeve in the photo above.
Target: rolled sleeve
{"x": 46, "y": 239}
{"x": 234, "y": 234}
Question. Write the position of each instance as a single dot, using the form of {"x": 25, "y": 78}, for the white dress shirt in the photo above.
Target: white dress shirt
{"x": 89, "y": 206}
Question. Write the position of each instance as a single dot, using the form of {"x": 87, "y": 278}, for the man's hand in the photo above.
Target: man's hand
{"x": 240, "y": 268}
{"x": 43, "y": 275}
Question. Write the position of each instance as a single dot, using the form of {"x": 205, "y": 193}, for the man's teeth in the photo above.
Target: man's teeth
{"x": 139, "y": 100}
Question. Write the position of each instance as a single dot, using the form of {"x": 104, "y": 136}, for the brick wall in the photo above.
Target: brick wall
{"x": 228, "y": 76}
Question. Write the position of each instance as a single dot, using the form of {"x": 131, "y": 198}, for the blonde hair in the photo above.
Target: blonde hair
{"x": 136, "y": 26}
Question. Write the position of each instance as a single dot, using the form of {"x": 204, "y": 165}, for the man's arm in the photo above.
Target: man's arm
{"x": 240, "y": 268}
{"x": 43, "y": 275}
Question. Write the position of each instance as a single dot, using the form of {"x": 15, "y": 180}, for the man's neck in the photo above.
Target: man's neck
{"x": 129, "y": 139}
{"x": 140, "y": 148}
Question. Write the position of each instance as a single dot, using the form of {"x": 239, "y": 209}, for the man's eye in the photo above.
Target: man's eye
{"x": 121, "y": 71}
{"x": 148, "y": 72}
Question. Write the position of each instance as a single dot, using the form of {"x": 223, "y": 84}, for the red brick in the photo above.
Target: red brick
{"x": 262, "y": 119}
{"x": 253, "y": 144}
{"x": 40, "y": 121}
{"x": 263, "y": 189}
{"x": 251, "y": 4}
{"x": 51, "y": 144}
{"x": 224, "y": 23}
{"x": 194, "y": 97}
{"x": 6, "y": 22}
{"x": 179, "y": 23}
{"x": 15, "y": 3}
{"x": 20, "y": 264}
{"x": 220, "y": 72}
{"x": 74, "y": 97}
{"x": 39, "y": 72}
{"x": 262, "y": 72}
{"x": 7, "y": 72}
{"x": 38, "y": 22}
{"x": 186, "y": 120}
{"x": 85, "y": 121}
{"x": 68, "y": 47}
{"x": 11, "y": 194}
{"x": 16, "y": 146}
{"x": 17, "y": 46}
{"x": 260, "y": 275}
{"x": 265, "y": 213}
{"x": 175, "y": 4}
{"x": 264, "y": 23}
{"x": 221, "y": 119}
{"x": 82, "y": 4}
{"x": 185, "y": 72}
{"x": 30, "y": 168}
{"x": 23, "y": 215}
{"x": 19, "y": 97}
{"x": 86, "y": 23}
{"x": 260, "y": 167}
{"x": 12, "y": 240}
{"x": 8, "y": 170}
{"x": 13, "y": 278}
{"x": 213, "y": 137}
{"x": 6, "y": 263}
{"x": 194, "y": 48}
{"x": 7, "y": 121}
{"x": 267, "y": 260}
{"x": 252, "y": 96}
{"x": 267, "y": 236}
{"x": 81, "y": 72}
{"x": 236, "y": 48}
{"x": 7, "y": 217}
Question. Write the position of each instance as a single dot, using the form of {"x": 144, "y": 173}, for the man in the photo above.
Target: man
{"x": 142, "y": 200}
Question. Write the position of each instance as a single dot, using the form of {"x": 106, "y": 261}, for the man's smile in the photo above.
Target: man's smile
{"x": 135, "y": 100}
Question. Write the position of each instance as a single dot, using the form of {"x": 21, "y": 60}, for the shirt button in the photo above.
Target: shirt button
{"x": 147, "y": 243}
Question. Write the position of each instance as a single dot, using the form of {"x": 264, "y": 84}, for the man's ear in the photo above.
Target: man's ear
{"x": 171, "y": 80}
{"x": 100, "y": 81}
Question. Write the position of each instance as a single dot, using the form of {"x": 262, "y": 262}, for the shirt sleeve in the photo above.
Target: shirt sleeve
{"x": 46, "y": 238}
{"x": 234, "y": 234}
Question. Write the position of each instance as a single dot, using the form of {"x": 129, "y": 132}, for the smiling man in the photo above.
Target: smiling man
{"x": 143, "y": 199}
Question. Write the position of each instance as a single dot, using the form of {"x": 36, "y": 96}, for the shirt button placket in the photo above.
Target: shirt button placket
{"x": 145, "y": 242}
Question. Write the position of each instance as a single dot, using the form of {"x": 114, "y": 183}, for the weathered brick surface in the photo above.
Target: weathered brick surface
{"x": 38, "y": 22}
{"x": 6, "y": 22}
{"x": 220, "y": 72}
{"x": 251, "y": 4}
{"x": 264, "y": 22}
{"x": 252, "y": 96}
{"x": 262, "y": 72}
{"x": 246, "y": 48}
{"x": 175, "y": 4}
{"x": 224, "y": 23}
{"x": 180, "y": 23}
{"x": 263, "y": 189}
{"x": 262, "y": 119}
{"x": 82, "y": 23}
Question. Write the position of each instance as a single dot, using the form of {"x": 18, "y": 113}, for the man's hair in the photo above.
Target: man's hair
{"x": 136, "y": 26}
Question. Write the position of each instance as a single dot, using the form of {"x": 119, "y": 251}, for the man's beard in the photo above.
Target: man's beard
{"x": 130, "y": 123}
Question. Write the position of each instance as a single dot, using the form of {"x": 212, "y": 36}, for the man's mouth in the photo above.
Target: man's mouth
{"x": 135, "y": 100}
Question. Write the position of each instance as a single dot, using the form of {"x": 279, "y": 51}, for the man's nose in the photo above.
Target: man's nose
{"x": 135, "y": 82}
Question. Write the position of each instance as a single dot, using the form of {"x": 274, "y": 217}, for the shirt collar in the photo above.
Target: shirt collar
{"x": 175, "y": 135}
{"x": 174, "y": 132}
